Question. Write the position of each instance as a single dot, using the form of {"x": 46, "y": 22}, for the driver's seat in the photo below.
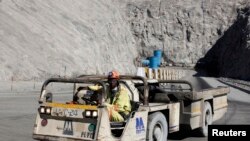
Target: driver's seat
{"x": 117, "y": 127}
{"x": 120, "y": 125}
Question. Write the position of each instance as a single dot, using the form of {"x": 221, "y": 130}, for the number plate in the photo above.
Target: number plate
{"x": 61, "y": 112}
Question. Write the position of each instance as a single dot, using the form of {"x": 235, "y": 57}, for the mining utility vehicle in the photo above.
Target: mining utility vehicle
{"x": 69, "y": 111}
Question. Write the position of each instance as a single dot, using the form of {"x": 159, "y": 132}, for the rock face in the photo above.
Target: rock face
{"x": 184, "y": 29}
{"x": 229, "y": 57}
{"x": 42, "y": 38}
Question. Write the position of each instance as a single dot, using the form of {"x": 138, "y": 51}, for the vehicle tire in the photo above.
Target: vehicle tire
{"x": 157, "y": 129}
{"x": 207, "y": 119}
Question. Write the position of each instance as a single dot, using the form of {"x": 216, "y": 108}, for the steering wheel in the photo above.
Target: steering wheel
{"x": 89, "y": 101}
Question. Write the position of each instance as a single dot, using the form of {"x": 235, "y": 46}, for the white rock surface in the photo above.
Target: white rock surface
{"x": 42, "y": 38}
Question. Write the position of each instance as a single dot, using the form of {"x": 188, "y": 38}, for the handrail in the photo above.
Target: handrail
{"x": 69, "y": 80}
{"x": 95, "y": 79}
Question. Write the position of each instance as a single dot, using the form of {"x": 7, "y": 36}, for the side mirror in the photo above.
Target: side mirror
{"x": 48, "y": 97}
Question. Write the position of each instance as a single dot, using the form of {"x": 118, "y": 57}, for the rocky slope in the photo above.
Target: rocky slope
{"x": 229, "y": 57}
{"x": 184, "y": 29}
{"x": 42, "y": 38}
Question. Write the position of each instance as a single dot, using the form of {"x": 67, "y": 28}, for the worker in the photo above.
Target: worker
{"x": 118, "y": 101}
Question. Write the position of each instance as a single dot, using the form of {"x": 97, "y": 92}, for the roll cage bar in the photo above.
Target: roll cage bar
{"x": 98, "y": 79}
{"x": 69, "y": 80}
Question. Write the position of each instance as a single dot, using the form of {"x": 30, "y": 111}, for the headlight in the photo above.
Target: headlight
{"x": 42, "y": 110}
{"x": 45, "y": 110}
{"x": 94, "y": 114}
{"x": 48, "y": 110}
{"x": 87, "y": 113}
{"x": 91, "y": 114}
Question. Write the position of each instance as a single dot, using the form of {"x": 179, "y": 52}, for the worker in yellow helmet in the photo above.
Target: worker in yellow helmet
{"x": 118, "y": 101}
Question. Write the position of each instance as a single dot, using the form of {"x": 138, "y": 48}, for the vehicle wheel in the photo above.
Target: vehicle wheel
{"x": 207, "y": 119}
{"x": 157, "y": 127}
